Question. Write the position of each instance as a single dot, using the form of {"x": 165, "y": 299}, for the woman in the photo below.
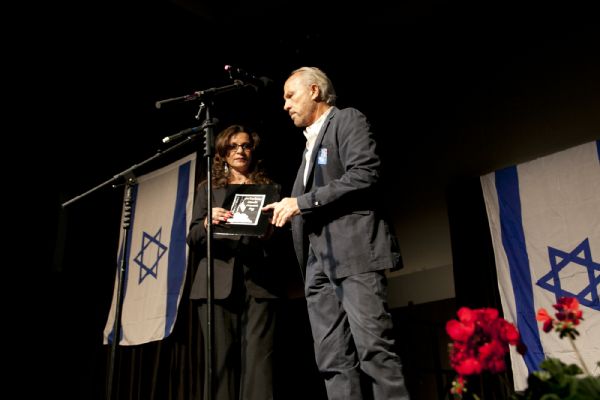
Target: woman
{"x": 245, "y": 282}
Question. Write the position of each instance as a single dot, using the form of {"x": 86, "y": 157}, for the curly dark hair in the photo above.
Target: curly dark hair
{"x": 220, "y": 175}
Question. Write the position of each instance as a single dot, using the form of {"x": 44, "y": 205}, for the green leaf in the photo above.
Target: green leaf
{"x": 559, "y": 381}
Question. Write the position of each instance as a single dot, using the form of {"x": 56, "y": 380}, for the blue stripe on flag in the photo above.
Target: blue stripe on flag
{"x": 513, "y": 240}
{"x": 134, "y": 193}
{"x": 177, "y": 247}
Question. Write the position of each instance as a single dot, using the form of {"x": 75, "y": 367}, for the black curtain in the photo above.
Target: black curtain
{"x": 475, "y": 280}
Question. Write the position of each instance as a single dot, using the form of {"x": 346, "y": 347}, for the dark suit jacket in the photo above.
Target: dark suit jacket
{"x": 340, "y": 214}
{"x": 250, "y": 255}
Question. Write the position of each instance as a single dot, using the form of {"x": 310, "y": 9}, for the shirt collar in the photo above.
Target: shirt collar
{"x": 312, "y": 131}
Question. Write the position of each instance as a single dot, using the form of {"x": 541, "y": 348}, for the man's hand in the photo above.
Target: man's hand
{"x": 283, "y": 210}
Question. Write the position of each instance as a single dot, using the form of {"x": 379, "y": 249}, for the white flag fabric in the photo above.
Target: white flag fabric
{"x": 544, "y": 217}
{"x": 156, "y": 254}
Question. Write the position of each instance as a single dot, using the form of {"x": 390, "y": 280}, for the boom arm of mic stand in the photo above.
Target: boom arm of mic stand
{"x": 202, "y": 94}
{"x": 128, "y": 173}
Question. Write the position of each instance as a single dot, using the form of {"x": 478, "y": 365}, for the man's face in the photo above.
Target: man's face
{"x": 300, "y": 100}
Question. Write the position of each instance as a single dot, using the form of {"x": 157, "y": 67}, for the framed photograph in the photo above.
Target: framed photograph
{"x": 246, "y": 203}
{"x": 246, "y": 209}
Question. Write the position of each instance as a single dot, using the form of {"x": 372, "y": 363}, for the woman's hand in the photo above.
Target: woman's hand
{"x": 219, "y": 215}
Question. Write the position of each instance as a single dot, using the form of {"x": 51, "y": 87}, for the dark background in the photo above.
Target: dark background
{"x": 429, "y": 75}
{"x": 418, "y": 70}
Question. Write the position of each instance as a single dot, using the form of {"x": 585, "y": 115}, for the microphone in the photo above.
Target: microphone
{"x": 184, "y": 132}
{"x": 249, "y": 78}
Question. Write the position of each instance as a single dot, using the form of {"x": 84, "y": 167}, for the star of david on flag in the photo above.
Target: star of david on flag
{"x": 149, "y": 267}
{"x": 156, "y": 256}
{"x": 586, "y": 290}
{"x": 544, "y": 218}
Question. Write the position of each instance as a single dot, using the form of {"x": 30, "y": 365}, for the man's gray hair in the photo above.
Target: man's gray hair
{"x": 313, "y": 75}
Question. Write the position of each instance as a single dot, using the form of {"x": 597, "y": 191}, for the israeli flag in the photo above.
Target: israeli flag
{"x": 544, "y": 217}
{"x": 156, "y": 254}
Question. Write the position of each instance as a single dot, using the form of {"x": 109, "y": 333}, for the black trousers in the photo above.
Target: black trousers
{"x": 244, "y": 329}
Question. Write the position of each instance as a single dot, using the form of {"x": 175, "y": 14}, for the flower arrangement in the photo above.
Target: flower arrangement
{"x": 481, "y": 340}
{"x": 480, "y": 343}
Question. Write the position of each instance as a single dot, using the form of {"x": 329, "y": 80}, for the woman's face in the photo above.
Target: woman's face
{"x": 239, "y": 152}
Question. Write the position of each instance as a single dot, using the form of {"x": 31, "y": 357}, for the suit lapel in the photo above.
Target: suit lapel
{"x": 317, "y": 147}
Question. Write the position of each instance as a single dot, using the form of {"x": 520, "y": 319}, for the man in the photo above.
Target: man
{"x": 342, "y": 240}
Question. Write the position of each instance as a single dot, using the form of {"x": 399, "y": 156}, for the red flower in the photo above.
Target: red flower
{"x": 466, "y": 315}
{"x": 568, "y": 310}
{"x": 487, "y": 315}
{"x": 491, "y": 356}
{"x": 458, "y": 387}
{"x": 543, "y": 316}
{"x": 468, "y": 366}
{"x": 567, "y": 318}
{"x": 480, "y": 343}
{"x": 509, "y": 333}
{"x": 460, "y": 331}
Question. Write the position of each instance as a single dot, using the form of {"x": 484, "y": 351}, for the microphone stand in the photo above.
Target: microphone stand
{"x": 209, "y": 154}
{"x": 127, "y": 206}
{"x": 207, "y": 101}
{"x": 128, "y": 173}
{"x": 130, "y": 182}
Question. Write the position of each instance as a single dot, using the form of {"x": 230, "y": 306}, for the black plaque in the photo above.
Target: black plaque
{"x": 246, "y": 202}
